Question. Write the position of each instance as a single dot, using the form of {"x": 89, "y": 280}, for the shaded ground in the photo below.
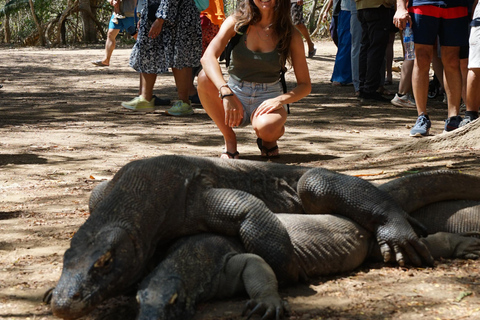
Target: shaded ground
{"x": 62, "y": 131}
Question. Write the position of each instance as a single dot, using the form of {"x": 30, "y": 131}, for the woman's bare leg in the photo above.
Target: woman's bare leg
{"x": 183, "y": 81}
{"x": 270, "y": 127}
{"x": 147, "y": 81}
{"x": 213, "y": 105}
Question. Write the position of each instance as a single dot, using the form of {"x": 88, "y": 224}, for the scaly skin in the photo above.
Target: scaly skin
{"x": 206, "y": 266}
{"x": 150, "y": 202}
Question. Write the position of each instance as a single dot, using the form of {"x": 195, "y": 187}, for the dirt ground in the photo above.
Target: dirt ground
{"x": 62, "y": 131}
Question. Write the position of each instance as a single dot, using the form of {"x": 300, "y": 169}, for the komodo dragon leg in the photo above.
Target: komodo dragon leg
{"x": 324, "y": 191}
{"x": 201, "y": 267}
{"x": 237, "y": 213}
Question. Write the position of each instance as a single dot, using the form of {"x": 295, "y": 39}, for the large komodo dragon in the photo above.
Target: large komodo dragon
{"x": 206, "y": 266}
{"x": 150, "y": 202}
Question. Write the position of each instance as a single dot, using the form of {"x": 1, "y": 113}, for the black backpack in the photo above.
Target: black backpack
{"x": 233, "y": 42}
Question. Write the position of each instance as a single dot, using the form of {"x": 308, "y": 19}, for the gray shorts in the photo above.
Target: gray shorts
{"x": 474, "y": 50}
{"x": 252, "y": 94}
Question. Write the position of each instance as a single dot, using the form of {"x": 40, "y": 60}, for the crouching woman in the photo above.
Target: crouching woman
{"x": 254, "y": 93}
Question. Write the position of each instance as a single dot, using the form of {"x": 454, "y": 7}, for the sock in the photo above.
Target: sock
{"x": 472, "y": 114}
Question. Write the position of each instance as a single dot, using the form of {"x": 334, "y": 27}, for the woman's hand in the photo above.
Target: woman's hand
{"x": 233, "y": 111}
{"x": 156, "y": 28}
{"x": 268, "y": 106}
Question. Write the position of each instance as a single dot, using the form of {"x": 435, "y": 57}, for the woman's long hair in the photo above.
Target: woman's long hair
{"x": 248, "y": 13}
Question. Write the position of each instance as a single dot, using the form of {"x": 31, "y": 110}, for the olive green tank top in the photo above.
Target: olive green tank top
{"x": 247, "y": 65}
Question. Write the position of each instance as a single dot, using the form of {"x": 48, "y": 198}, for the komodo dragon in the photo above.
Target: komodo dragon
{"x": 206, "y": 266}
{"x": 150, "y": 202}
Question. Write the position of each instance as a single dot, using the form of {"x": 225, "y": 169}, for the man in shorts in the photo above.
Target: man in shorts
{"x": 473, "y": 76}
{"x": 299, "y": 23}
{"x": 117, "y": 24}
{"x": 449, "y": 20}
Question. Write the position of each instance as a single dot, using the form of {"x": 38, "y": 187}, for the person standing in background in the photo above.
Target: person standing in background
{"x": 128, "y": 23}
{"x": 342, "y": 69}
{"x": 449, "y": 20}
{"x": 376, "y": 19}
{"x": 170, "y": 36}
{"x": 299, "y": 22}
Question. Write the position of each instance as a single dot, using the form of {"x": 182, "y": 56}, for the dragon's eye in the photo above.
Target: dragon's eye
{"x": 104, "y": 261}
{"x": 173, "y": 298}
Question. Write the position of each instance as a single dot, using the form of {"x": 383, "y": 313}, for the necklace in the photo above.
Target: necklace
{"x": 266, "y": 32}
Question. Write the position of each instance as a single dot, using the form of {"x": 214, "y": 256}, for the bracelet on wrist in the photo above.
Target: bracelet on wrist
{"x": 226, "y": 95}
{"x": 220, "y": 90}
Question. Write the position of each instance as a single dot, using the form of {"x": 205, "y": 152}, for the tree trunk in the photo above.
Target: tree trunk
{"x": 8, "y": 33}
{"x": 89, "y": 29}
{"x": 39, "y": 25}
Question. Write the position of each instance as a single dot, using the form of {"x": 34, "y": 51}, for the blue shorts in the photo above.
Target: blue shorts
{"x": 450, "y": 24}
{"x": 252, "y": 94}
{"x": 128, "y": 24}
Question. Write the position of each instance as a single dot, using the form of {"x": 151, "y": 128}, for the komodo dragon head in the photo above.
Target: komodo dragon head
{"x": 110, "y": 251}
{"x": 92, "y": 272}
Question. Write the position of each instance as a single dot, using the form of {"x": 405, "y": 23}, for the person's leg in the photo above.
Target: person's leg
{"x": 144, "y": 102}
{"x": 389, "y": 58}
{"x": 473, "y": 92}
{"x": 147, "y": 81}
{"x": 304, "y": 31}
{"x": 404, "y": 98}
{"x": 364, "y": 44}
{"x": 420, "y": 76}
{"x": 299, "y": 22}
{"x": 184, "y": 82}
{"x": 378, "y": 33}
{"x": 270, "y": 127}
{"x": 208, "y": 94}
{"x": 464, "y": 72}
{"x": 405, "y": 84}
{"x": 356, "y": 32}
{"x": 453, "y": 78}
{"x": 110, "y": 45}
{"x": 342, "y": 70}
{"x": 437, "y": 65}
{"x": 473, "y": 96}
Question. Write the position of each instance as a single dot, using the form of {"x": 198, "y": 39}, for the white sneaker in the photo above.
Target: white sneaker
{"x": 405, "y": 100}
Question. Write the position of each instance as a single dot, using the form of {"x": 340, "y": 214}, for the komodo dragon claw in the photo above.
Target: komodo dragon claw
{"x": 267, "y": 308}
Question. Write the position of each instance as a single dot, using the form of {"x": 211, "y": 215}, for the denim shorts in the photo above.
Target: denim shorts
{"x": 129, "y": 24}
{"x": 252, "y": 94}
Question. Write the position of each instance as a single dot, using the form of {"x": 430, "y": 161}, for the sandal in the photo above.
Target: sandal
{"x": 266, "y": 152}
{"x": 231, "y": 155}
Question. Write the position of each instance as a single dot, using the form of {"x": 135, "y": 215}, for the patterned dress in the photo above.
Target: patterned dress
{"x": 179, "y": 44}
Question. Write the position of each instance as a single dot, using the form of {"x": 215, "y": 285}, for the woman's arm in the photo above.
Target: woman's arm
{"x": 300, "y": 68}
{"x": 209, "y": 61}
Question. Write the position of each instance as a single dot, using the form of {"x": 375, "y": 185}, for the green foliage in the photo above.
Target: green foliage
{"x": 13, "y": 6}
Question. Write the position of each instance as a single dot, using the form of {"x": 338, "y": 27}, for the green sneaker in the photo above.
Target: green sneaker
{"x": 140, "y": 104}
{"x": 180, "y": 109}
